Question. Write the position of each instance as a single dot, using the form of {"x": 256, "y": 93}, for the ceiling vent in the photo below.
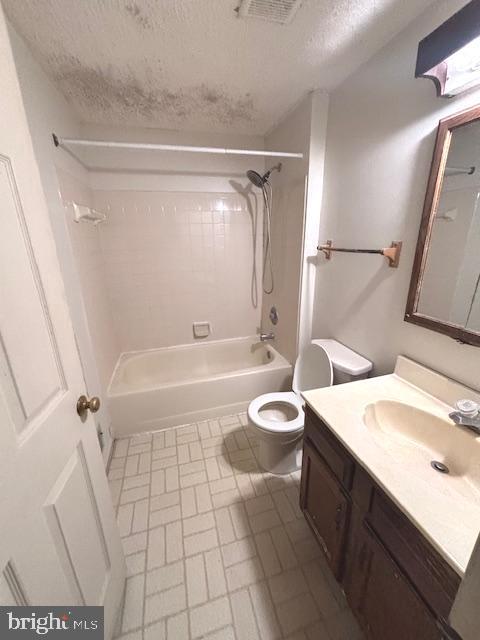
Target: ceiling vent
{"x": 279, "y": 11}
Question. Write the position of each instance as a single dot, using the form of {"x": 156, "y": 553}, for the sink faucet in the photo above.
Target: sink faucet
{"x": 267, "y": 336}
{"x": 467, "y": 414}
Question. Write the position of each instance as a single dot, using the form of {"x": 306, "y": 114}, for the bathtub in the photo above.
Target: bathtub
{"x": 166, "y": 387}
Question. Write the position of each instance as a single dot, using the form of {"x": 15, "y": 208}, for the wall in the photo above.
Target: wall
{"x": 173, "y": 258}
{"x": 289, "y": 190}
{"x": 297, "y": 197}
{"x": 181, "y": 234}
{"x": 381, "y": 133}
{"x": 47, "y": 111}
{"x": 89, "y": 261}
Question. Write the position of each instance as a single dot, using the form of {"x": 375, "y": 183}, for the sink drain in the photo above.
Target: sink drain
{"x": 439, "y": 466}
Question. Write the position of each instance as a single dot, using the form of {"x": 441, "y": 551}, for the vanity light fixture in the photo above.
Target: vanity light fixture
{"x": 450, "y": 55}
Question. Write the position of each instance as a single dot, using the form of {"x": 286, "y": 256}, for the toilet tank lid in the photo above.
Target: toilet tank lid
{"x": 344, "y": 359}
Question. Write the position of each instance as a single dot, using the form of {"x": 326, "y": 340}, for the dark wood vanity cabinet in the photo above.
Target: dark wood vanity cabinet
{"x": 326, "y": 507}
{"x": 397, "y": 585}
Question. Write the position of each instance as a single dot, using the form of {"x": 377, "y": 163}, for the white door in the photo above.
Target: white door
{"x": 59, "y": 542}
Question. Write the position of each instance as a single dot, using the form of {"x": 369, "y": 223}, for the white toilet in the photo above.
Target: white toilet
{"x": 278, "y": 417}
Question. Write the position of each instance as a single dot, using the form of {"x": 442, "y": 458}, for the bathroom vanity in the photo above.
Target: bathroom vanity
{"x": 396, "y": 532}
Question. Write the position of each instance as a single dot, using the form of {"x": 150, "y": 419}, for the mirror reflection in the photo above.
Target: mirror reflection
{"x": 450, "y": 289}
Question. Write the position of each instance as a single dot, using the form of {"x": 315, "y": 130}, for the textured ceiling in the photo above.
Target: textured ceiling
{"x": 193, "y": 64}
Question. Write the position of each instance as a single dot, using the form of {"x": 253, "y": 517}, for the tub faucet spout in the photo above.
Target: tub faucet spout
{"x": 264, "y": 337}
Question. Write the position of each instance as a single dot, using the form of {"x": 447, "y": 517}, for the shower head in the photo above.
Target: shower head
{"x": 257, "y": 180}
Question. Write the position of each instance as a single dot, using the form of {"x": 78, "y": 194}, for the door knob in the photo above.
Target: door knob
{"x": 84, "y": 405}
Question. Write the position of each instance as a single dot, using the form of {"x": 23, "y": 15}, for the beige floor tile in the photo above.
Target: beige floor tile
{"x": 183, "y": 454}
{"x": 165, "y": 463}
{"x": 124, "y": 518}
{"x": 238, "y": 551}
{"x": 196, "y": 579}
{"x": 156, "y": 548}
{"x": 171, "y": 575}
{"x": 243, "y": 616}
{"x": 167, "y": 452}
{"x": 136, "y": 481}
{"x": 174, "y": 541}
{"x": 226, "y": 532}
{"x": 140, "y": 516}
{"x": 191, "y": 467}
{"x": 226, "y": 498}
{"x": 227, "y": 633}
{"x": 210, "y": 617}
{"x": 259, "y": 505}
{"x": 132, "y": 495}
{"x": 325, "y": 598}
{"x": 133, "y": 607}
{"x": 188, "y": 502}
{"x": 265, "y": 612}
{"x": 193, "y": 479}
{"x": 164, "y": 516}
{"x": 217, "y": 585}
{"x": 267, "y": 553}
{"x": 199, "y": 523}
{"x": 165, "y": 603}
{"x": 287, "y": 585}
{"x": 243, "y": 574}
{"x": 199, "y": 542}
{"x": 135, "y": 563}
{"x": 227, "y": 554}
{"x": 298, "y": 613}
{"x": 178, "y": 628}
{"x": 158, "y": 482}
{"x": 171, "y": 479}
{"x": 134, "y": 543}
{"x": 156, "y": 631}
{"x": 264, "y": 521}
{"x": 165, "y": 500}
{"x": 203, "y": 498}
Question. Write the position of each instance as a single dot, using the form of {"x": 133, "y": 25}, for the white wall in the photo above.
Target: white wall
{"x": 90, "y": 264}
{"x": 297, "y": 198}
{"x": 47, "y": 111}
{"x": 292, "y": 134}
{"x": 169, "y": 171}
{"x": 381, "y": 133}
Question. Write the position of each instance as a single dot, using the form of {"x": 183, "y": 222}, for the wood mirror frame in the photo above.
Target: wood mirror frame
{"x": 434, "y": 187}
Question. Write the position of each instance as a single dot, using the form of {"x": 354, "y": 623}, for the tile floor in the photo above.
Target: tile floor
{"x": 215, "y": 548}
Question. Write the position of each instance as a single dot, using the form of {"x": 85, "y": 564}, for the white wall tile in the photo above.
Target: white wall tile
{"x": 174, "y": 258}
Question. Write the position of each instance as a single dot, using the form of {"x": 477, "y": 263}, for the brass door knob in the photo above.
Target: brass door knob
{"x": 84, "y": 405}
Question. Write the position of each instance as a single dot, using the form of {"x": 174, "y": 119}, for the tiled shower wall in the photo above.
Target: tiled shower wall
{"x": 175, "y": 258}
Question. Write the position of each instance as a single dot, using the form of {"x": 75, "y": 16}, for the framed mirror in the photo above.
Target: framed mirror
{"x": 445, "y": 287}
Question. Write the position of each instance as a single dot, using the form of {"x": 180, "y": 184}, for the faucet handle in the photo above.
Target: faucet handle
{"x": 467, "y": 408}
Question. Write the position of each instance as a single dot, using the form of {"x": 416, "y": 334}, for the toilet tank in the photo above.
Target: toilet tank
{"x": 348, "y": 366}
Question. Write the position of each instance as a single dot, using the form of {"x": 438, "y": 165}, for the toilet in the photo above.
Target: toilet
{"x": 278, "y": 418}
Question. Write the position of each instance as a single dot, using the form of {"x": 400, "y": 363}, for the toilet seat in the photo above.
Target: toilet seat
{"x": 276, "y": 426}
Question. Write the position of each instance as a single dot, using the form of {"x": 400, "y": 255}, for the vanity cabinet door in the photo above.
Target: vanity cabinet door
{"x": 325, "y": 506}
{"x": 382, "y": 598}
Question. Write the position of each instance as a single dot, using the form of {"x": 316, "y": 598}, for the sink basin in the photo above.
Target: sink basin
{"x": 416, "y": 438}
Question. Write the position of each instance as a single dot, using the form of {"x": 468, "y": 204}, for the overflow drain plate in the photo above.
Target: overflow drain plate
{"x": 439, "y": 466}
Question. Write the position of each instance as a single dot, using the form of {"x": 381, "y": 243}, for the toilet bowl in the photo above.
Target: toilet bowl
{"x": 278, "y": 418}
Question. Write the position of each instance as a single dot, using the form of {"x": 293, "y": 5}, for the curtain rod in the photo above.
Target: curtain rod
{"x": 60, "y": 142}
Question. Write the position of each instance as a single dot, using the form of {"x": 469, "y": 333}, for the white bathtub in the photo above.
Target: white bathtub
{"x": 176, "y": 385}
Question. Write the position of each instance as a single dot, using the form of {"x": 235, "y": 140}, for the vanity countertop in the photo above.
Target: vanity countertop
{"x": 434, "y": 502}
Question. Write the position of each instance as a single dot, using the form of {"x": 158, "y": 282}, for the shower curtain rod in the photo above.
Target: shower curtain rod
{"x": 61, "y": 142}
